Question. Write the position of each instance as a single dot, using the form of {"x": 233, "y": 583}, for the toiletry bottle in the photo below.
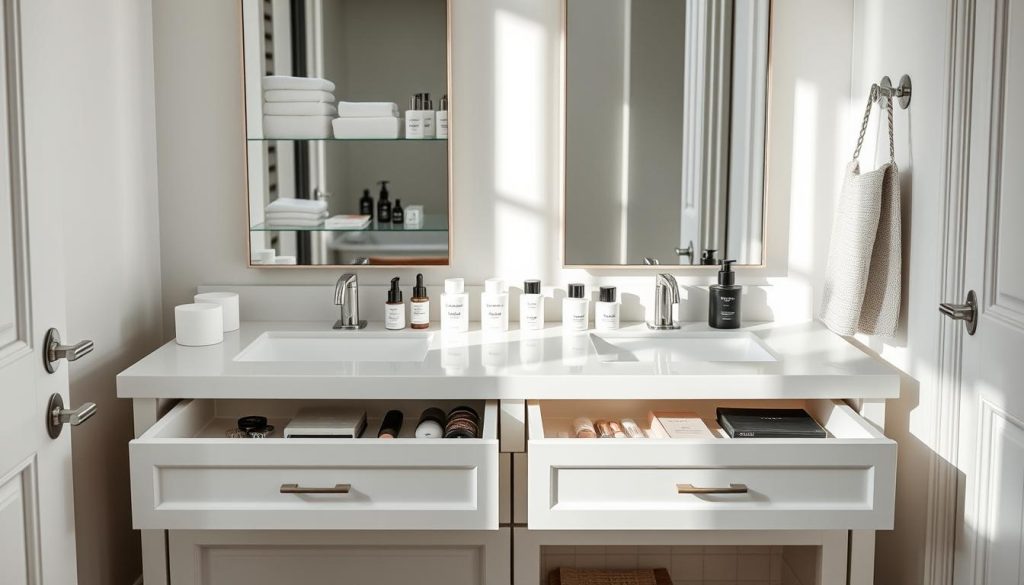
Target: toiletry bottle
{"x": 442, "y": 118}
{"x": 391, "y": 426}
{"x": 455, "y": 306}
{"x": 394, "y": 309}
{"x": 606, "y": 310}
{"x": 383, "y": 204}
{"x": 428, "y": 117}
{"x": 494, "y": 306}
{"x": 575, "y": 309}
{"x": 431, "y": 425}
{"x": 708, "y": 258}
{"x": 414, "y": 118}
{"x": 366, "y": 204}
{"x": 419, "y": 305}
{"x": 397, "y": 213}
{"x": 724, "y": 301}
{"x": 531, "y": 307}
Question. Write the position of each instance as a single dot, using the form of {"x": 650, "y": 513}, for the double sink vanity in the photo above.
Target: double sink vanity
{"x": 504, "y": 507}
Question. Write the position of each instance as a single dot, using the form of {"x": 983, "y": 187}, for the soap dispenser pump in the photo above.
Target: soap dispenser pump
{"x": 724, "y": 299}
{"x": 383, "y": 204}
{"x": 394, "y": 309}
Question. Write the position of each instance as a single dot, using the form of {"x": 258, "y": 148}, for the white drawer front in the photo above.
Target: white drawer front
{"x": 401, "y": 484}
{"x": 624, "y": 484}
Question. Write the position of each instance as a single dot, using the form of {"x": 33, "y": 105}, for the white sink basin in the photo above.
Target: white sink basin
{"x": 681, "y": 347}
{"x": 335, "y": 346}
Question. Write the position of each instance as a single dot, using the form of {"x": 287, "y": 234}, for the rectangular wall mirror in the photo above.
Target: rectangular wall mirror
{"x": 665, "y": 129}
{"x": 321, "y": 154}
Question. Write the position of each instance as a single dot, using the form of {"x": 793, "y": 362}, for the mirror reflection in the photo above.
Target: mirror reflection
{"x": 665, "y": 109}
{"x": 346, "y": 122}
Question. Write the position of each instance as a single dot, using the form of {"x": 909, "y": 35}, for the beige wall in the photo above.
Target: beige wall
{"x": 893, "y": 37}
{"x": 102, "y": 64}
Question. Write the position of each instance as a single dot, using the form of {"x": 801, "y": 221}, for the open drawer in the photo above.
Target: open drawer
{"x": 845, "y": 481}
{"x": 186, "y": 474}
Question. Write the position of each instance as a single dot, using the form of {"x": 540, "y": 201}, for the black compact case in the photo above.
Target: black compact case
{"x": 769, "y": 423}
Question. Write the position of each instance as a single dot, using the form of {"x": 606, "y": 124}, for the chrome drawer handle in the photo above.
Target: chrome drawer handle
{"x": 294, "y": 488}
{"x": 734, "y": 488}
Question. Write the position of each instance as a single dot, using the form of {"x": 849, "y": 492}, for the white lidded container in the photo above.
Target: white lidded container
{"x": 455, "y": 306}
{"x": 576, "y": 309}
{"x": 606, "y": 310}
{"x": 531, "y": 307}
{"x": 494, "y": 306}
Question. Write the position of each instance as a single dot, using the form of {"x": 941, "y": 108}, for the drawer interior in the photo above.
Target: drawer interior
{"x": 215, "y": 419}
{"x": 553, "y": 419}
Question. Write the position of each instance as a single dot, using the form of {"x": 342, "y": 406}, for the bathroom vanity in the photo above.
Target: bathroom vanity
{"x": 522, "y": 498}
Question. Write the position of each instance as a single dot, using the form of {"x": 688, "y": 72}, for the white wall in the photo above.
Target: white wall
{"x": 893, "y": 37}
{"x": 505, "y": 129}
{"x": 99, "y": 91}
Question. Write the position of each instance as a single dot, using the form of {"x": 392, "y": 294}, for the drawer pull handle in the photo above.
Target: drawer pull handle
{"x": 734, "y": 488}
{"x": 294, "y": 488}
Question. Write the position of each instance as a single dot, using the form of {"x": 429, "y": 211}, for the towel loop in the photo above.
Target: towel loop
{"x": 876, "y": 95}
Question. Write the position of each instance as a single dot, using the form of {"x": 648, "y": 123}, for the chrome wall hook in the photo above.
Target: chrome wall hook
{"x": 902, "y": 92}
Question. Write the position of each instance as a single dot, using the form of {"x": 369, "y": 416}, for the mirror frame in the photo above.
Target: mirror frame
{"x": 563, "y": 75}
{"x": 452, "y": 124}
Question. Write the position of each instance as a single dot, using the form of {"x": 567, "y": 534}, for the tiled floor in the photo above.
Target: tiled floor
{"x": 688, "y": 565}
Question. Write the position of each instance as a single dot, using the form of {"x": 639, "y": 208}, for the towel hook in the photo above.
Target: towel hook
{"x": 902, "y": 92}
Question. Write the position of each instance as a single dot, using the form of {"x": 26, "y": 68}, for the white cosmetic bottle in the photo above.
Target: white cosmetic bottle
{"x": 442, "y": 118}
{"x": 494, "y": 306}
{"x": 531, "y": 307}
{"x": 455, "y": 306}
{"x": 394, "y": 309}
{"x": 414, "y": 118}
{"x": 429, "y": 127}
{"x": 576, "y": 309}
{"x": 606, "y": 310}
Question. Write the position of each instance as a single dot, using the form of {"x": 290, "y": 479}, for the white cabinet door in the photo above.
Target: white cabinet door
{"x": 991, "y": 450}
{"x": 37, "y": 543}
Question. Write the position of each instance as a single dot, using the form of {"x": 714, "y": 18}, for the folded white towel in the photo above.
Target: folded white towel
{"x": 350, "y": 222}
{"x": 286, "y": 82}
{"x": 297, "y": 95}
{"x": 294, "y": 223}
{"x": 289, "y": 215}
{"x": 299, "y": 109}
{"x": 367, "y": 109}
{"x": 297, "y": 127}
{"x": 290, "y": 205}
{"x": 366, "y": 127}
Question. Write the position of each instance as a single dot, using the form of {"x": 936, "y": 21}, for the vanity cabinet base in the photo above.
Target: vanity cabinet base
{"x": 233, "y": 557}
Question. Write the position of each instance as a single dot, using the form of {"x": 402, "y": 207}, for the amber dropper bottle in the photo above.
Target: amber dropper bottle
{"x": 419, "y": 305}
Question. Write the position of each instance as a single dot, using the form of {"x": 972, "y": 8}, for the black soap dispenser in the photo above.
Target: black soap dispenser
{"x": 397, "y": 213}
{"x": 366, "y": 204}
{"x": 724, "y": 299}
{"x": 383, "y": 204}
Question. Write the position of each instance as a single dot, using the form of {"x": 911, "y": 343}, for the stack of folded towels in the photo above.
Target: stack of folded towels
{"x": 297, "y": 107}
{"x": 367, "y": 120}
{"x": 300, "y": 213}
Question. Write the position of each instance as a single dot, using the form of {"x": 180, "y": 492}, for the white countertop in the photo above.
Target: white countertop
{"x": 811, "y": 362}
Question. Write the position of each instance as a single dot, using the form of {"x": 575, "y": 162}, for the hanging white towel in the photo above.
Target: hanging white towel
{"x": 299, "y": 109}
{"x": 297, "y": 95}
{"x": 288, "y": 82}
{"x": 290, "y": 205}
{"x": 863, "y": 272}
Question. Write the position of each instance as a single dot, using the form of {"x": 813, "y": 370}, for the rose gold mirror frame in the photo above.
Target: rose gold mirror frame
{"x": 562, "y": 156}
{"x": 245, "y": 156}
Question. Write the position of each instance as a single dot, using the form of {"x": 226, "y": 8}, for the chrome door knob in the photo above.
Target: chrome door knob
{"x": 54, "y": 351}
{"x": 57, "y": 416}
{"x": 967, "y": 312}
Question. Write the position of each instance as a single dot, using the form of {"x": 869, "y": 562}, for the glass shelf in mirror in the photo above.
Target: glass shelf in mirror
{"x": 431, "y": 223}
{"x": 347, "y": 139}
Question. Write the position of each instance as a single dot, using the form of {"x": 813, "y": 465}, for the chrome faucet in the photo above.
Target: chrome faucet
{"x": 666, "y": 294}
{"x": 346, "y": 296}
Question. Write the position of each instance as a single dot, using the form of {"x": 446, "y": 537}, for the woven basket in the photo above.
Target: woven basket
{"x": 566, "y": 576}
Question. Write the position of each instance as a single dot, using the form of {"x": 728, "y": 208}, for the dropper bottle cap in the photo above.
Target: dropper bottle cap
{"x": 395, "y": 294}
{"x": 726, "y": 276}
{"x": 419, "y": 291}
